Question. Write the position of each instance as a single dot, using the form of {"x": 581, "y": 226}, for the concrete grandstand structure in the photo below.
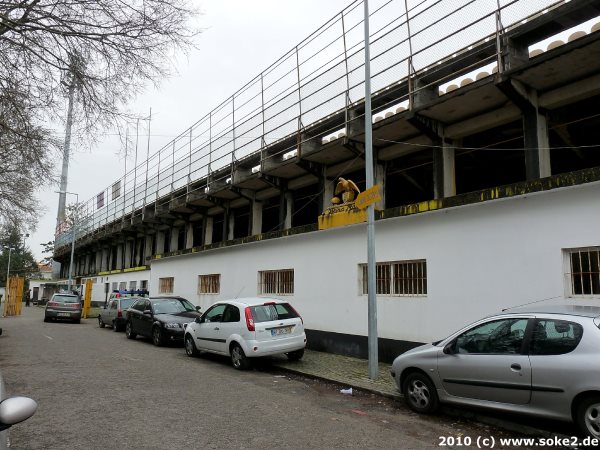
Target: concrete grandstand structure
{"x": 487, "y": 150}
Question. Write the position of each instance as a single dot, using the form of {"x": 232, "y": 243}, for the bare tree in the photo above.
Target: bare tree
{"x": 106, "y": 50}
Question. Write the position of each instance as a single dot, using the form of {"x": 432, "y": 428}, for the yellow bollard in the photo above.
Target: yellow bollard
{"x": 87, "y": 299}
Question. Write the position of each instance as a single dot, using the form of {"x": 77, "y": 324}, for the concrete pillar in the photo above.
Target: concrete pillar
{"x": 147, "y": 247}
{"x": 537, "y": 144}
{"x": 208, "y": 230}
{"x": 289, "y": 203}
{"x": 128, "y": 249}
{"x": 98, "y": 265}
{"x": 105, "y": 259}
{"x": 160, "y": 242}
{"x": 535, "y": 128}
{"x": 256, "y": 212}
{"x": 189, "y": 235}
{"x": 444, "y": 173}
{"x": 328, "y": 190}
{"x": 139, "y": 251}
{"x": 231, "y": 226}
{"x": 379, "y": 175}
{"x": 174, "y": 239}
{"x": 120, "y": 256}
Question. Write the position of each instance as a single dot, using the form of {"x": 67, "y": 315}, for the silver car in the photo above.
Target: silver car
{"x": 114, "y": 314}
{"x": 63, "y": 307}
{"x": 543, "y": 361}
{"x": 12, "y": 411}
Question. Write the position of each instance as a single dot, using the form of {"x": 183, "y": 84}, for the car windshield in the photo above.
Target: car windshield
{"x": 171, "y": 306}
{"x": 273, "y": 311}
{"x": 65, "y": 299}
{"x": 127, "y": 302}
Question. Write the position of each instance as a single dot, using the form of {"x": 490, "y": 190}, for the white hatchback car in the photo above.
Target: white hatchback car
{"x": 247, "y": 328}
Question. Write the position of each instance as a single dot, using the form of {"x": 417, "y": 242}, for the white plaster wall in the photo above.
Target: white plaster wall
{"x": 98, "y": 294}
{"x": 480, "y": 258}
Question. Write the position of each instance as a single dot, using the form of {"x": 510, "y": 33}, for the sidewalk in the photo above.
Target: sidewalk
{"x": 344, "y": 370}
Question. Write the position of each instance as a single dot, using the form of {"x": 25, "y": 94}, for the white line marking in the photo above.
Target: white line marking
{"x": 51, "y": 338}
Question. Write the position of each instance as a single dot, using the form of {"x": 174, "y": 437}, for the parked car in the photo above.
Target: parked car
{"x": 12, "y": 411}
{"x": 247, "y": 328}
{"x": 115, "y": 313}
{"x": 543, "y": 361}
{"x": 161, "y": 318}
{"x": 63, "y": 307}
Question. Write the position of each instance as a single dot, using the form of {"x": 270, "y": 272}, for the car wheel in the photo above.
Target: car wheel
{"x": 419, "y": 393}
{"x": 115, "y": 327}
{"x": 239, "y": 360}
{"x": 101, "y": 323}
{"x": 157, "y": 338}
{"x": 77, "y": 321}
{"x": 588, "y": 416}
{"x": 46, "y": 319}
{"x": 295, "y": 356}
{"x": 190, "y": 346}
{"x": 129, "y": 331}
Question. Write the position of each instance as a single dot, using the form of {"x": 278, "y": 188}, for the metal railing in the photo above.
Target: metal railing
{"x": 321, "y": 76}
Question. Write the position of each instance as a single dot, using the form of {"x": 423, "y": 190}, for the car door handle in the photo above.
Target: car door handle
{"x": 216, "y": 328}
{"x": 515, "y": 366}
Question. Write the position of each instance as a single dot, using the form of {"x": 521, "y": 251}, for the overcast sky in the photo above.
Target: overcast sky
{"x": 241, "y": 38}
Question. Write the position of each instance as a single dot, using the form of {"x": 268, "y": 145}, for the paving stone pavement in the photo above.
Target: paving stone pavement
{"x": 344, "y": 370}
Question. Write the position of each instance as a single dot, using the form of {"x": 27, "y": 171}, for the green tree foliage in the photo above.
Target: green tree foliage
{"x": 22, "y": 261}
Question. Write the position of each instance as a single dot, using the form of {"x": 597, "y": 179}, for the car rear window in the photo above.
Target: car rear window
{"x": 270, "y": 312}
{"x": 65, "y": 299}
{"x": 127, "y": 302}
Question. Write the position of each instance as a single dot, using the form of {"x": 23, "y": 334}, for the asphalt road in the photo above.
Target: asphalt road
{"x": 98, "y": 390}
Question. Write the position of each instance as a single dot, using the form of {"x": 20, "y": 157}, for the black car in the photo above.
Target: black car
{"x": 161, "y": 318}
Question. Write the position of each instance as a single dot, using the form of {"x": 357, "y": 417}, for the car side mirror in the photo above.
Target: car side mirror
{"x": 198, "y": 308}
{"x": 147, "y": 312}
{"x": 449, "y": 348}
{"x": 16, "y": 409}
{"x": 197, "y": 320}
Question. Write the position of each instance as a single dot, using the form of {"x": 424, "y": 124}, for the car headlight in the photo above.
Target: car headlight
{"x": 172, "y": 325}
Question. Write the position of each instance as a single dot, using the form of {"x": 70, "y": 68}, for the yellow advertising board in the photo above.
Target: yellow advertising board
{"x": 339, "y": 216}
{"x": 368, "y": 197}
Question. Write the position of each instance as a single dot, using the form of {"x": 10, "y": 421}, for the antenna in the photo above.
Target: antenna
{"x": 531, "y": 303}
{"x": 240, "y": 291}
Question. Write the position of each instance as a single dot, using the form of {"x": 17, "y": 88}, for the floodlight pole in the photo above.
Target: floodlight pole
{"x": 73, "y": 233}
{"x": 7, "y": 291}
{"x": 372, "y": 294}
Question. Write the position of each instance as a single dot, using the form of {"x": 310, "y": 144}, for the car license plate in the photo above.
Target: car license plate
{"x": 279, "y": 331}
{"x": 63, "y": 314}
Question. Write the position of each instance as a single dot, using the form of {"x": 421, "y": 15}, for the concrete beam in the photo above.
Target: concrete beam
{"x": 482, "y": 122}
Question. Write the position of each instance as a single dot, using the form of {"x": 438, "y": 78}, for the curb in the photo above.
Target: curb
{"x": 386, "y": 394}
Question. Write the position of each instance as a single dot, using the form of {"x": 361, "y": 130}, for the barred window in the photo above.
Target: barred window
{"x": 209, "y": 284}
{"x": 144, "y": 284}
{"x": 115, "y": 286}
{"x": 279, "y": 282}
{"x": 165, "y": 285}
{"x": 583, "y": 272}
{"x": 397, "y": 278}
{"x": 132, "y": 285}
{"x": 122, "y": 285}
